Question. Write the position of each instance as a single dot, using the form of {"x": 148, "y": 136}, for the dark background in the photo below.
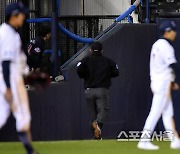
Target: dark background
{"x": 60, "y": 112}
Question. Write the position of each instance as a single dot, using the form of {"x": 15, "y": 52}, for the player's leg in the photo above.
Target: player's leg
{"x": 102, "y": 103}
{"x": 4, "y": 111}
{"x": 155, "y": 112}
{"x": 153, "y": 117}
{"x": 160, "y": 99}
{"x": 175, "y": 144}
{"x": 103, "y": 106}
{"x": 22, "y": 115}
{"x": 91, "y": 106}
{"x": 169, "y": 124}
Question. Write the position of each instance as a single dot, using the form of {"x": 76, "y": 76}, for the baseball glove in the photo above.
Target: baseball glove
{"x": 38, "y": 80}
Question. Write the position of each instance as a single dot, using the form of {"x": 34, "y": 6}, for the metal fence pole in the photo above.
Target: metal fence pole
{"x": 147, "y": 20}
{"x": 58, "y": 7}
{"x": 54, "y": 38}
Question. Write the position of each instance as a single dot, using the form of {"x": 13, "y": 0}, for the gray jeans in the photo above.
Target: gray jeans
{"x": 98, "y": 103}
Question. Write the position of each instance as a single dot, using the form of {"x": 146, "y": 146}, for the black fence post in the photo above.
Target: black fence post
{"x": 54, "y": 39}
{"x": 147, "y": 20}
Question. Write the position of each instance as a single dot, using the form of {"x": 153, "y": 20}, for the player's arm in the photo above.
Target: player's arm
{"x": 8, "y": 53}
{"x": 82, "y": 70}
{"x": 6, "y": 76}
{"x": 113, "y": 69}
{"x": 175, "y": 67}
{"x": 34, "y": 53}
{"x": 170, "y": 59}
{"x": 6, "y": 73}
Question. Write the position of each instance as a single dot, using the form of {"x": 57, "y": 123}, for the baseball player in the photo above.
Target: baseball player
{"x": 163, "y": 68}
{"x": 13, "y": 96}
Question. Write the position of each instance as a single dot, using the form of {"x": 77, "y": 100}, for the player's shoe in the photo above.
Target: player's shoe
{"x": 97, "y": 130}
{"x": 147, "y": 146}
{"x": 175, "y": 144}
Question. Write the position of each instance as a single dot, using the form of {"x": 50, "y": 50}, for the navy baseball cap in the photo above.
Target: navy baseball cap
{"x": 15, "y": 8}
{"x": 168, "y": 26}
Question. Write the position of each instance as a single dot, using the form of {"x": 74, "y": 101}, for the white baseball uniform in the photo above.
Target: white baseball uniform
{"x": 10, "y": 50}
{"x": 162, "y": 56}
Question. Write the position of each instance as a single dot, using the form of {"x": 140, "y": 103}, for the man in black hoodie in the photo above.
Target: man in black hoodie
{"x": 97, "y": 71}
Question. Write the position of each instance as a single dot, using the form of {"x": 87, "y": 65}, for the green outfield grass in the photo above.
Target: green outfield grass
{"x": 86, "y": 147}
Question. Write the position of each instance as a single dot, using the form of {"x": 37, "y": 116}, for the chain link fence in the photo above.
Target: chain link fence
{"x": 85, "y": 26}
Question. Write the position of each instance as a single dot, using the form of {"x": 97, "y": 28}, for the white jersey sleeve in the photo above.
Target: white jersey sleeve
{"x": 8, "y": 49}
{"x": 162, "y": 56}
{"x": 11, "y": 50}
{"x": 168, "y": 54}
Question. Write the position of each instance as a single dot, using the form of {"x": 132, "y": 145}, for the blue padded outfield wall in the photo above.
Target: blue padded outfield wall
{"x": 60, "y": 112}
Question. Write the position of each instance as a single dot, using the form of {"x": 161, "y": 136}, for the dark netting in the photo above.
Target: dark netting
{"x": 159, "y": 8}
{"x": 85, "y": 26}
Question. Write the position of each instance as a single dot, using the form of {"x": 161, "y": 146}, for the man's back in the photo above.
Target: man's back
{"x": 97, "y": 71}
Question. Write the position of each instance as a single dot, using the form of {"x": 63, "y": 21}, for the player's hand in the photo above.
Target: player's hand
{"x": 174, "y": 86}
{"x": 31, "y": 69}
{"x": 37, "y": 70}
{"x": 8, "y": 95}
